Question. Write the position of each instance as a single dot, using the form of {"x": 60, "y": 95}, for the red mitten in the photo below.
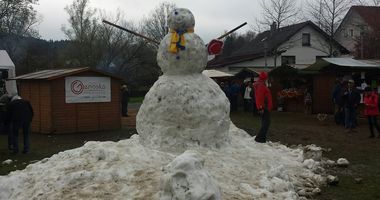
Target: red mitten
{"x": 215, "y": 47}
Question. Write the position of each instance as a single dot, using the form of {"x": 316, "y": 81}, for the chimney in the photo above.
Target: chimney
{"x": 273, "y": 27}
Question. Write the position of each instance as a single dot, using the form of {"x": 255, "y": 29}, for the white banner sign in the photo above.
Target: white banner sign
{"x": 87, "y": 89}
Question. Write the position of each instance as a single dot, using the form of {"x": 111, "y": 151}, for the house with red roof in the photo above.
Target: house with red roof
{"x": 359, "y": 20}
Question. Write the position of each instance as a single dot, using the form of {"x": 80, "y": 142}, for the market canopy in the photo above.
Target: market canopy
{"x": 212, "y": 73}
{"x": 5, "y": 61}
{"x": 342, "y": 63}
{"x": 7, "y": 64}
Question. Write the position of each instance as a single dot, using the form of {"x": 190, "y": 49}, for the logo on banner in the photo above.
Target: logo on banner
{"x": 77, "y": 87}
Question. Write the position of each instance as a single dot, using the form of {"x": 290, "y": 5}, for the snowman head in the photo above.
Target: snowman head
{"x": 181, "y": 19}
{"x": 188, "y": 56}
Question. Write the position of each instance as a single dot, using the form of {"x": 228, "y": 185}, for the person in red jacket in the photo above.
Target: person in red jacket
{"x": 264, "y": 105}
{"x": 371, "y": 110}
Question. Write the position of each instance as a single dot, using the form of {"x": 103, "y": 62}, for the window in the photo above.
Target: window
{"x": 345, "y": 34}
{"x": 288, "y": 60}
{"x": 352, "y": 32}
{"x": 306, "y": 39}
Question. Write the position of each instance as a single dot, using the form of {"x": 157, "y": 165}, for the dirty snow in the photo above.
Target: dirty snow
{"x": 128, "y": 170}
{"x": 7, "y": 162}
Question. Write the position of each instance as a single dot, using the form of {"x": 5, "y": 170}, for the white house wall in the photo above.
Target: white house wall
{"x": 305, "y": 55}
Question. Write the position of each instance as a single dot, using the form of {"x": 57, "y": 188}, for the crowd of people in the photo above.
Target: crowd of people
{"x": 16, "y": 113}
{"x": 347, "y": 99}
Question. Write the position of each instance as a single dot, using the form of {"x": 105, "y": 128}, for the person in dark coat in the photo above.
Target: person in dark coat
{"x": 4, "y": 100}
{"x": 124, "y": 100}
{"x": 351, "y": 99}
{"x": 264, "y": 106}
{"x": 235, "y": 92}
{"x": 226, "y": 89}
{"x": 20, "y": 114}
{"x": 338, "y": 102}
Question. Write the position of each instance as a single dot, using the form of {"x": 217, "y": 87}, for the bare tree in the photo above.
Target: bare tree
{"x": 114, "y": 41}
{"x": 155, "y": 25}
{"x": 368, "y": 2}
{"x": 276, "y": 14}
{"x": 328, "y": 14}
{"x": 18, "y": 17}
{"x": 375, "y": 3}
{"x": 282, "y": 12}
{"x": 83, "y": 32}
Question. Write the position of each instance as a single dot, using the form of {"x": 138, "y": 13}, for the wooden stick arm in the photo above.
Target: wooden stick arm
{"x": 131, "y": 32}
{"x": 231, "y": 31}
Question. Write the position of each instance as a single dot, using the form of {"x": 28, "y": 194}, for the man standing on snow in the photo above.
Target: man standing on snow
{"x": 264, "y": 106}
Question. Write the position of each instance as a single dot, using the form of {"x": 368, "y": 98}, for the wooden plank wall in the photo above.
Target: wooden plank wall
{"x": 85, "y": 117}
{"x": 38, "y": 93}
{"x": 64, "y": 115}
{"x": 323, "y": 87}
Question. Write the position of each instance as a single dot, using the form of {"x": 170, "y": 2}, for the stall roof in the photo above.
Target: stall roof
{"x": 349, "y": 62}
{"x": 212, "y": 73}
{"x": 58, "y": 73}
{"x": 340, "y": 62}
{"x": 252, "y": 69}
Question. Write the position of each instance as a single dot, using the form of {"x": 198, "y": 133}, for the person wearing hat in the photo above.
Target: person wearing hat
{"x": 264, "y": 106}
{"x": 371, "y": 110}
{"x": 351, "y": 99}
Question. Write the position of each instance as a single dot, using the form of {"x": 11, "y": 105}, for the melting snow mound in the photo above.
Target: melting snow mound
{"x": 128, "y": 170}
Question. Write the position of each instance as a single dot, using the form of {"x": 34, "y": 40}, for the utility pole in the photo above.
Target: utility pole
{"x": 361, "y": 45}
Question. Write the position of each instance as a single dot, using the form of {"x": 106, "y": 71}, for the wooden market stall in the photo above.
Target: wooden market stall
{"x": 288, "y": 88}
{"x": 72, "y": 100}
{"x": 326, "y": 70}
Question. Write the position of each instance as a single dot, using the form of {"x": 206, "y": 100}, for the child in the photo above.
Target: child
{"x": 308, "y": 102}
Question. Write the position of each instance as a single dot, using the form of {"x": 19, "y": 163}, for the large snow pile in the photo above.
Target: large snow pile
{"x": 128, "y": 170}
{"x": 183, "y": 111}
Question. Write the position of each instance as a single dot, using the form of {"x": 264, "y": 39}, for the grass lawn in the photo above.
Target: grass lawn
{"x": 288, "y": 128}
{"x": 362, "y": 152}
{"x": 136, "y": 100}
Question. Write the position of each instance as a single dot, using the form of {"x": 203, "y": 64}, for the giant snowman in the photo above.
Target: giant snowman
{"x": 187, "y": 147}
{"x": 184, "y": 108}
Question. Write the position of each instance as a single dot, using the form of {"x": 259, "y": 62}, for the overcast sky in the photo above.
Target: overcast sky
{"x": 212, "y": 17}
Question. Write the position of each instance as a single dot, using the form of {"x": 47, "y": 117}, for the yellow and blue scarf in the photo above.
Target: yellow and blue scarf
{"x": 177, "y": 41}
